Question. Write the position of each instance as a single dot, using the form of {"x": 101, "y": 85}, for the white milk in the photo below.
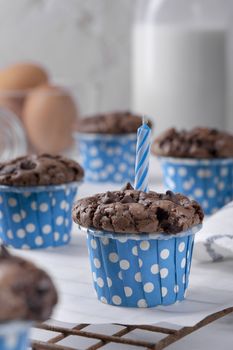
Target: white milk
{"x": 179, "y": 75}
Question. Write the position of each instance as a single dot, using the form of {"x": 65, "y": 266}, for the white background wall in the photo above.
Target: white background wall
{"x": 80, "y": 42}
{"x": 77, "y": 40}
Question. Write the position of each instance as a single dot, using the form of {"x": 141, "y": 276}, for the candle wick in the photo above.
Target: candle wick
{"x": 144, "y": 119}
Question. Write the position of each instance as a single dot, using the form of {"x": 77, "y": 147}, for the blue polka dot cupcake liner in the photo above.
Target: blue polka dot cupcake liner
{"x": 140, "y": 271}
{"x": 107, "y": 158}
{"x": 14, "y": 336}
{"x": 36, "y": 217}
{"x": 209, "y": 182}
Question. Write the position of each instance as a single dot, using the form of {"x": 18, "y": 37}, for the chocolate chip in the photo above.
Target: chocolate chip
{"x": 108, "y": 198}
{"x": 128, "y": 199}
{"x": 169, "y": 193}
{"x": 128, "y": 186}
{"x": 27, "y": 165}
{"x": 162, "y": 214}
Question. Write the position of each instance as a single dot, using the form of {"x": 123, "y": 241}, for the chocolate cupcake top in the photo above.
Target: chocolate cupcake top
{"x": 40, "y": 170}
{"x": 26, "y": 292}
{"x": 110, "y": 123}
{"x": 200, "y": 143}
{"x": 131, "y": 211}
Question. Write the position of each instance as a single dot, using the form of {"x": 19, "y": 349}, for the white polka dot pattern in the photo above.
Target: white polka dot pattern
{"x": 23, "y": 214}
{"x": 33, "y": 205}
{"x": 154, "y": 269}
{"x": 43, "y": 207}
{"x": 122, "y": 239}
{"x": 104, "y": 300}
{"x": 30, "y": 228}
{"x": 183, "y": 263}
{"x": 105, "y": 240}
{"x": 39, "y": 241}
{"x": 56, "y": 236}
{"x": 97, "y": 263}
{"x": 164, "y": 272}
{"x": 128, "y": 291}
{"x": 46, "y": 229}
{"x": 142, "y": 303}
{"x": 208, "y": 182}
{"x": 109, "y": 282}
{"x": 36, "y": 219}
{"x": 93, "y": 244}
{"x": 140, "y": 273}
{"x": 144, "y": 245}
{"x": 59, "y": 220}
{"x": 108, "y": 159}
{"x": 164, "y": 254}
{"x": 135, "y": 250}
{"x": 100, "y": 282}
{"x": 116, "y": 300}
{"x": 148, "y": 287}
{"x": 138, "y": 277}
{"x": 14, "y": 340}
{"x": 16, "y": 218}
{"x": 9, "y": 234}
{"x": 124, "y": 264}
{"x": 181, "y": 247}
{"x": 21, "y": 233}
{"x": 113, "y": 257}
{"x": 164, "y": 291}
{"x": 12, "y": 202}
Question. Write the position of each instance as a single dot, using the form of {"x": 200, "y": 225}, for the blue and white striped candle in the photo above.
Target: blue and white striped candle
{"x": 142, "y": 157}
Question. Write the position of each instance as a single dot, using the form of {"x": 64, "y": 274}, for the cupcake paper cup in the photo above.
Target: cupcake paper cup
{"x": 143, "y": 270}
{"x": 209, "y": 182}
{"x": 36, "y": 217}
{"x": 108, "y": 158}
{"x": 14, "y": 336}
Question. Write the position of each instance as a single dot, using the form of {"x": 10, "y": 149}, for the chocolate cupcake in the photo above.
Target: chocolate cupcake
{"x": 115, "y": 123}
{"x": 27, "y": 294}
{"x": 36, "y": 194}
{"x": 198, "y": 163}
{"x": 140, "y": 245}
{"x": 107, "y": 144}
{"x": 198, "y": 143}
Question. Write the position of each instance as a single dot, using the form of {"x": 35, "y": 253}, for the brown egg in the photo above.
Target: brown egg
{"x": 49, "y": 115}
{"x": 16, "y": 80}
{"x": 22, "y": 76}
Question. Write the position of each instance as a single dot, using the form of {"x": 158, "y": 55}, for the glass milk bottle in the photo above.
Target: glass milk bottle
{"x": 181, "y": 74}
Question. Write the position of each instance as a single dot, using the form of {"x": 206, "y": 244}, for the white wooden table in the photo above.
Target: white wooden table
{"x": 211, "y": 337}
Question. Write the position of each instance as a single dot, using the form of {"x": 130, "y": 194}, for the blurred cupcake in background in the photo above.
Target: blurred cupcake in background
{"x": 107, "y": 145}
{"x": 198, "y": 163}
{"x": 36, "y": 196}
{"x": 27, "y": 294}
